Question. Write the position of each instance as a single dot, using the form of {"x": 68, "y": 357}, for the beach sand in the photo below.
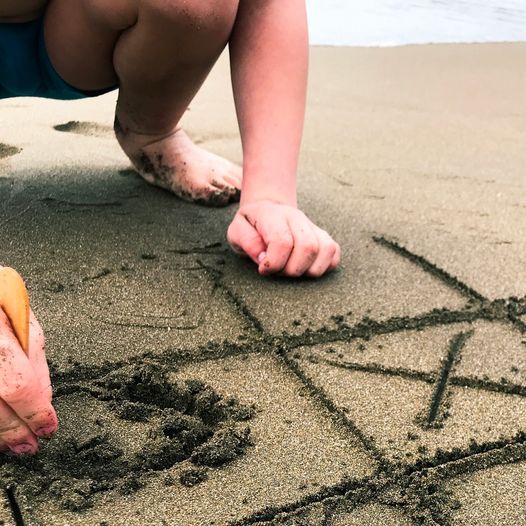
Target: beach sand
{"x": 390, "y": 392}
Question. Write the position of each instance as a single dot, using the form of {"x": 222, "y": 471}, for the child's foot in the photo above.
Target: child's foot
{"x": 175, "y": 163}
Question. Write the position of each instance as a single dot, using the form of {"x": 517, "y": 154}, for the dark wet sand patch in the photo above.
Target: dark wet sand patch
{"x": 8, "y": 151}
{"x": 185, "y": 424}
{"x": 92, "y": 129}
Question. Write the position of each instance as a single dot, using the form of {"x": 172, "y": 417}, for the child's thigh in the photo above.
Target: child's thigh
{"x": 21, "y": 10}
{"x": 80, "y": 37}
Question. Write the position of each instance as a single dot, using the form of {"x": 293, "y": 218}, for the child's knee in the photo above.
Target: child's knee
{"x": 116, "y": 15}
{"x": 200, "y": 16}
{"x": 215, "y": 17}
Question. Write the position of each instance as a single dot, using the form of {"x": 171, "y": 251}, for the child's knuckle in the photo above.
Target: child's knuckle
{"x": 284, "y": 242}
{"x": 330, "y": 248}
{"x": 310, "y": 248}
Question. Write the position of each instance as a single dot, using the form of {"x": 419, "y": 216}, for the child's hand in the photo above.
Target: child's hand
{"x": 281, "y": 239}
{"x": 26, "y": 413}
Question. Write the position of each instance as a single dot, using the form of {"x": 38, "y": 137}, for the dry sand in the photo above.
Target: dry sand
{"x": 392, "y": 392}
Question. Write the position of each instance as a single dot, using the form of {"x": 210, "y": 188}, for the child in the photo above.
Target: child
{"x": 158, "y": 53}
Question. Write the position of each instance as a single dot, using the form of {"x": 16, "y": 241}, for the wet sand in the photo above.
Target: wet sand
{"x": 392, "y": 391}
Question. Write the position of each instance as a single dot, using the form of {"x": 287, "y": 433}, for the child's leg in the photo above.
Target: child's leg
{"x": 160, "y": 51}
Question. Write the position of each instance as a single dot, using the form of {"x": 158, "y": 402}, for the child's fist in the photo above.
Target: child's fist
{"x": 281, "y": 239}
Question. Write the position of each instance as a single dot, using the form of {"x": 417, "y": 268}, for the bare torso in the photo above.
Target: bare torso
{"x": 21, "y": 10}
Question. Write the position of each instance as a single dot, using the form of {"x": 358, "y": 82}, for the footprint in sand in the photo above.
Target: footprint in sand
{"x": 8, "y": 151}
{"x": 92, "y": 129}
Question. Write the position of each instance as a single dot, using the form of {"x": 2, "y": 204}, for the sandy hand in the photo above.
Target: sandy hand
{"x": 280, "y": 239}
{"x": 26, "y": 412}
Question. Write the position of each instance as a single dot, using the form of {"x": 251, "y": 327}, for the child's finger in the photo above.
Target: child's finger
{"x": 37, "y": 355}
{"x": 14, "y": 433}
{"x": 245, "y": 239}
{"x": 276, "y": 234}
{"x": 325, "y": 255}
{"x": 336, "y": 259}
{"x": 306, "y": 246}
{"x": 20, "y": 387}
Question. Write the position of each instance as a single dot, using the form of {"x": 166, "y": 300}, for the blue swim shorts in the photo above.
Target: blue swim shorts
{"x": 25, "y": 68}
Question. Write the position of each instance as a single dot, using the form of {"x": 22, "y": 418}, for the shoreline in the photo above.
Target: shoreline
{"x": 418, "y": 44}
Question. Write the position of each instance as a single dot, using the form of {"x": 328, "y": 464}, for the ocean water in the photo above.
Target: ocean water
{"x": 399, "y": 22}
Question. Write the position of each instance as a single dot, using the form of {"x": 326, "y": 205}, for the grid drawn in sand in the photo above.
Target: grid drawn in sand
{"x": 389, "y": 474}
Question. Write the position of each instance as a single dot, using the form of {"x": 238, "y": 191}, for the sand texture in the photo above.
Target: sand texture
{"x": 6, "y": 516}
{"x": 493, "y": 496}
{"x": 191, "y": 391}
